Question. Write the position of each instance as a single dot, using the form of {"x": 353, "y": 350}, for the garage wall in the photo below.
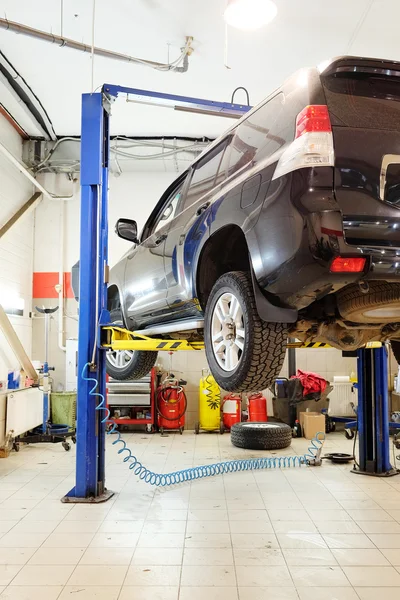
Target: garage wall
{"x": 16, "y": 248}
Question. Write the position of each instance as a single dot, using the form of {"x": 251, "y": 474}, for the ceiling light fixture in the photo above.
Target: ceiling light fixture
{"x": 250, "y": 14}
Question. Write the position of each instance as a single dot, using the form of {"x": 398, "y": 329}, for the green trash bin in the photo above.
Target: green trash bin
{"x": 63, "y": 408}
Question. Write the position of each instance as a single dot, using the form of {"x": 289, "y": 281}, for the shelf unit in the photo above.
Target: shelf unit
{"x": 133, "y": 397}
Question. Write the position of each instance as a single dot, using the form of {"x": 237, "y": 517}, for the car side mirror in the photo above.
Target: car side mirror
{"x": 127, "y": 230}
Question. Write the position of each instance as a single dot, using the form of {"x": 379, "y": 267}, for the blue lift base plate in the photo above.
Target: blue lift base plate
{"x": 70, "y": 498}
{"x": 390, "y": 473}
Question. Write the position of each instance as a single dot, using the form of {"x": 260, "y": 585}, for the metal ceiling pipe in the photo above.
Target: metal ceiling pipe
{"x": 74, "y": 45}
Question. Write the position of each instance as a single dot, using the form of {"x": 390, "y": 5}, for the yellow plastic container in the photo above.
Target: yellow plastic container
{"x": 209, "y": 404}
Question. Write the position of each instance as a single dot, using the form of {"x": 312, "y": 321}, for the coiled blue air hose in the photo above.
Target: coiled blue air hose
{"x": 231, "y": 466}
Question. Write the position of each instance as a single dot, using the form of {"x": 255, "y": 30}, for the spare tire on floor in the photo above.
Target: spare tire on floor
{"x": 261, "y": 436}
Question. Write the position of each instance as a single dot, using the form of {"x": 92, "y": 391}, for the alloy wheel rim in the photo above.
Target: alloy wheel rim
{"x": 228, "y": 333}
{"x": 119, "y": 359}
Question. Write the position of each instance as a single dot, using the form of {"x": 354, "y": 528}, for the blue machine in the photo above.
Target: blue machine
{"x": 95, "y": 141}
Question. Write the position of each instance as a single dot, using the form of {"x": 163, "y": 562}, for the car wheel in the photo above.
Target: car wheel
{"x": 128, "y": 364}
{"x": 261, "y": 436}
{"x": 244, "y": 353}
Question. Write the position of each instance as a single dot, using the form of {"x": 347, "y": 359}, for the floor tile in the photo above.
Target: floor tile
{"x": 114, "y": 540}
{"x": 370, "y": 515}
{"x": 372, "y": 576}
{"x": 329, "y": 515}
{"x": 249, "y": 515}
{"x": 272, "y": 557}
{"x": 208, "y": 576}
{"x": 207, "y": 526}
{"x": 25, "y": 526}
{"x": 32, "y": 575}
{"x": 157, "y": 556}
{"x": 207, "y": 515}
{"x": 249, "y": 576}
{"x": 68, "y": 540}
{"x": 360, "y": 557}
{"x": 15, "y": 556}
{"x": 294, "y": 527}
{"x": 22, "y": 540}
{"x": 301, "y": 540}
{"x": 105, "y": 556}
{"x": 207, "y": 540}
{"x": 158, "y": 526}
{"x": 289, "y": 515}
{"x": 5, "y": 526}
{"x": 347, "y": 540}
{"x": 204, "y": 556}
{"x": 254, "y": 540}
{"x": 318, "y": 577}
{"x": 264, "y": 593}
{"x": 337, "y": 527}
{"x": 38, "y": 592}
{"x": 296, "y": 557}
{"x": 393, "y": 555}
{"x": 380, "y": 526}
{"x": 251, "y": 527}
{"x": 153, "y": 575}
{"x": 98, "y": 575}
{"x": 90, "y": 592}
{"x": 161, "y": 540}
{"x": 326, "y": 593}
{"x": 162, "y": 593}
{"x": 8, "y": 573}
{"x": 382, "y": 540}
{"x": 57, "y": 556}
{"x": 372, "y": 593}
{"x": 77, "y": 527}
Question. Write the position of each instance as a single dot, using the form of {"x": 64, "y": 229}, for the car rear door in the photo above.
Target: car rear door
{"x": 188, "y": 230}
{"x": 363, "y": 98}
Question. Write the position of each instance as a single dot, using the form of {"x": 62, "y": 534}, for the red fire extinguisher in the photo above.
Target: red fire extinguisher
{"x": 231, "y": 410}
{"x": 257, "y": 406}
{"x": 171, "y": 404}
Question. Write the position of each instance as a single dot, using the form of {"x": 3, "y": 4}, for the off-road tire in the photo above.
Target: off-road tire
{"x": 261, "y": 436}
{"x": 264, "y": 349}
{"x": 352, "y": 303}
{"x": 141, "y": 363}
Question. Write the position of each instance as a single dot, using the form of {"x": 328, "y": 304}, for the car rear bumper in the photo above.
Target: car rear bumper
{"x": 306, "y": 276}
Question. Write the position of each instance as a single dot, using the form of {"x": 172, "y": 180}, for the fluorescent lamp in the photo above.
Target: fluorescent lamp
{"x": 250, "y": 14}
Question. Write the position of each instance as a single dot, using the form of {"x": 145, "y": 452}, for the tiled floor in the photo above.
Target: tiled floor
{"x": 306, "y": 534}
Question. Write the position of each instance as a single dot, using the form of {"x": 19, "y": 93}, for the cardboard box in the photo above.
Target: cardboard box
{"x": 311, "y": 423}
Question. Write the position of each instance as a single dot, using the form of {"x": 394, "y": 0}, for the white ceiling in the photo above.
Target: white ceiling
{"x": 305, "y": 33}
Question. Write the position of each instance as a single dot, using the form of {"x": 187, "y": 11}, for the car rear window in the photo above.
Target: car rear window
{"x": 362, "y": 99}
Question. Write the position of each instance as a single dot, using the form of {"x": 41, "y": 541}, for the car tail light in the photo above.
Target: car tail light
{"x": 348, "y": 265}
{"x": 313, "y": 143}
{"x": 313, "y": 118}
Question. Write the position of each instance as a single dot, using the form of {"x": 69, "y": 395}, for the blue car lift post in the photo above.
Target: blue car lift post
{"x": 93, "y": 313}
{"x": 373, "y": 414}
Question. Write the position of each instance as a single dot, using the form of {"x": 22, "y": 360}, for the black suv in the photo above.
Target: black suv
{"x": 287, "y": 225}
